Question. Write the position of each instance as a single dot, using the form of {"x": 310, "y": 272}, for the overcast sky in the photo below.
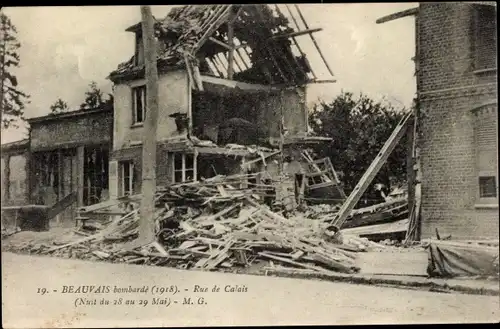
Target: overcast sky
{"x": 63, "y": 49}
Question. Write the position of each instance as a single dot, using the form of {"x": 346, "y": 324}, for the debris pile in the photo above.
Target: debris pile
{"x": 208, "y": 225}
{"x": 386, "y": 212}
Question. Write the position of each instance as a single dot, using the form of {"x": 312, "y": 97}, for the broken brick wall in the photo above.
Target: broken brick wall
{"x": 450, "y": 88}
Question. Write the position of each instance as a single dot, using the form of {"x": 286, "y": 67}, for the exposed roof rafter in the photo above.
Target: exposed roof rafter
{"x": 398, "y": 15}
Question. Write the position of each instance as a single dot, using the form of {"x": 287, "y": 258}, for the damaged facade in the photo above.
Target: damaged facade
{"x": 63, "y": 165}
{"x": 70, "y": 158}
{"x": 231, "y": 93}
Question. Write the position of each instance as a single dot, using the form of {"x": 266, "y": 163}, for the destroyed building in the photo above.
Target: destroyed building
{"x": 231, "y": 94}
{"x": 457, "y": 118}
{"x": 63, "y": 164}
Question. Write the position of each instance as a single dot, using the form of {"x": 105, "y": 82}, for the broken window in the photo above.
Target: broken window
{"x": 183, "y": 167}
{"x": 139, "y": 104}
{"x": 128, "y": 178}
{"x": 486, "y": 37}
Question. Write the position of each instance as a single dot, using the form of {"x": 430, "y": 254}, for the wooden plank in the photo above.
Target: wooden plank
{"x": 237, "y": 84}
{"x": 330, "y": 263}
{"x": 262, "y": 158}
{"x": 215, "y": 63}
{"x": 218, "y": 21}
{"x": 309, "y": 159}
{"x": 61, "y": 205}
{"x": 160, "y": 248}
{"x": 295, "y": 40}
{"x": 295, "y": 34}
{"x": 98, "y": 206}
{"x": 399, "y": 14}
{"x": 371, "y": 172}
{"x": 322, "y": 81}
{"x": 220, "y": 43}
{"x": 314, "y": 40}
{"x": 291, "y": 262}
{"x": 223, "y": 212}
{"x": 277, "y": 66}
{"x": 218, "y": 257}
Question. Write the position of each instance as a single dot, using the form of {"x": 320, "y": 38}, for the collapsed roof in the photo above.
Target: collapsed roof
{"x": 264, "y": 46}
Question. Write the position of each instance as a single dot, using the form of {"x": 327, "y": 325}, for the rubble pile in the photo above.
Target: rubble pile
{"x": 209, "y": 225}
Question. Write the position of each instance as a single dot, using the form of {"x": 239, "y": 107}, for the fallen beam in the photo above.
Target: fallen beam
{"x": 370, "y": 173}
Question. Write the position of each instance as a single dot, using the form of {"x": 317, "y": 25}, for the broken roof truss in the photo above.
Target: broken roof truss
{"x": 249, "y": 43}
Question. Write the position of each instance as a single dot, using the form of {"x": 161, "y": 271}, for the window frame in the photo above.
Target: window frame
{"x": 185, "y": 168}
{"x": 482, "y": 176}
{"x": 485, "y": 202}
{"x": 478, "y": 26}
{"x": 135, "y": 114}
{"x": 131, "y": 182}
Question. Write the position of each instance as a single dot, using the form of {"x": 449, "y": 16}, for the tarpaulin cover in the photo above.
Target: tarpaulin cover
{"x": 448, "y": 259}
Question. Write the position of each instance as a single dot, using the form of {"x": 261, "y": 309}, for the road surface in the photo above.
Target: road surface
{"x": 50, "y": 292}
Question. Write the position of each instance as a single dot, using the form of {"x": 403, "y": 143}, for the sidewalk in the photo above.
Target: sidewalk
{"x": 404, "y": 274}
{"x": 467, "y": 286}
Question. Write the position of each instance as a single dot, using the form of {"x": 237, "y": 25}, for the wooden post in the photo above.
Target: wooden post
{"x": 195, "y": 164}
{"x": 80, "y": 173}
{"x": 410, "y": 158}
{"x": 6, "y": 178}
{"x": 29, "y": 171}
{"x": 282, "y": 138}
{"x": 230, "y": 36}
{"x": 146, "y": 224}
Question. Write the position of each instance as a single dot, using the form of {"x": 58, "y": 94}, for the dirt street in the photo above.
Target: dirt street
{"x": 242, "y": 299}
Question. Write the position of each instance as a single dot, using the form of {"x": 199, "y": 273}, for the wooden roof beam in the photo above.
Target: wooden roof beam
{"x": 220, "y": 43}
{"x": 313, "y": 40}
{"x": 398, "y": 15}
{"x": 238, "y": 84}
{"x": 296, "y": 33}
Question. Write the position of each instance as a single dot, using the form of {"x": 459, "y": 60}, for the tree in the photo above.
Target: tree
{"x": 94, "y": 98}
{"x": 58, "y": 107}
{"x": 13, "y": 100}
{"x": 359, "y": 128}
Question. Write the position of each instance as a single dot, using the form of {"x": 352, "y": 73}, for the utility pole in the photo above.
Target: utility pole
{"x": 146, "y": 224}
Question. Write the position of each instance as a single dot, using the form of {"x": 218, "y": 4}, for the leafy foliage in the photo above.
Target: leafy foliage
{"x": 94, "y": 98}
{"x": 59, "y": 106}
{"x": 359, "y": 129}
{"x": 13, "y": 100}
